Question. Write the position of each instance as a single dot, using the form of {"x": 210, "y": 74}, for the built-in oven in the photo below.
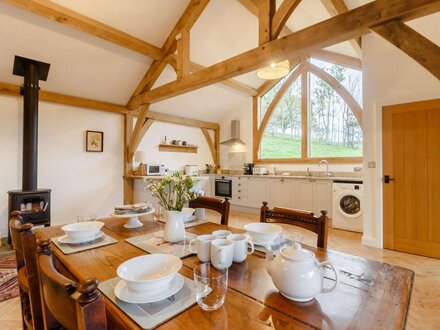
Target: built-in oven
{"x": 223, "y": 186}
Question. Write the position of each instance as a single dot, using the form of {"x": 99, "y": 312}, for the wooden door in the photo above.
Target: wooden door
{"x": 411, "y": 160}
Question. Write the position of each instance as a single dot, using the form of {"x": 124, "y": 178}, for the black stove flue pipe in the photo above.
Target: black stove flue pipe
{"x": 32, "y": 71}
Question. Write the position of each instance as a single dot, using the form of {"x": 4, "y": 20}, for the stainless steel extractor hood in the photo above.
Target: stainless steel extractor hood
{"x": 235, "y": 134}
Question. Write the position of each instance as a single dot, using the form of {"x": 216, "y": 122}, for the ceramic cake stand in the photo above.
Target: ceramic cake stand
{"x": 133, "y": 220}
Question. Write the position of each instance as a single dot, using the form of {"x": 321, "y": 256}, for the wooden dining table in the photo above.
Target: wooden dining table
{"x": 370, "y": 294}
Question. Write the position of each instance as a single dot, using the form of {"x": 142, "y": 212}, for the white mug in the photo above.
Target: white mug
{"x": 222, "y": 253}
{"x": 221, "y": 233}
{"x": 241, "y": 243}
{"x": 204, "y": 247}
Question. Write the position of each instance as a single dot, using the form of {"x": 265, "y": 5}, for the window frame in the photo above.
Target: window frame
{"x": 303, "y": 71}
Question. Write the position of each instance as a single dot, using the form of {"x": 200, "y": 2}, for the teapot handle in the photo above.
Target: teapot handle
{"x": 335, "y": 270}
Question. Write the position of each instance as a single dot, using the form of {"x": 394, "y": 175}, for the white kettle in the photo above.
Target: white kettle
{"x": 296, "y": 272}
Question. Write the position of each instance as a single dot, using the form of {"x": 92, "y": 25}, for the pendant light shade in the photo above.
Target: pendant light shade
{"x": 274, "y": 71}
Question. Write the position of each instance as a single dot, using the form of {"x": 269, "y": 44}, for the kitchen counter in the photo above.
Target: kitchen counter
{"x": 278, "y": 176}
{"x": 160, "y": 177}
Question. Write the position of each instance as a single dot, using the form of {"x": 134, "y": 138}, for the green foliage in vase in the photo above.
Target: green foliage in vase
{"x": 173, "y": 192}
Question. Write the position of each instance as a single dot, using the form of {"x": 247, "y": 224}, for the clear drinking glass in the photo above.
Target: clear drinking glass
{"x": 158, "y": 212}
{"x": 211, "y": 286}
{"x": 82, "y": 218}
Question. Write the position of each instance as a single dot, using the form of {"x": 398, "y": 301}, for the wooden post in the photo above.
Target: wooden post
{"x": 128, "y": 161}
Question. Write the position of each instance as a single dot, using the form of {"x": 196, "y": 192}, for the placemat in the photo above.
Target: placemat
{"x": 74, "y": 248}
{"x": 190, "y": 224}
{"x": 154, "y": 243}
{"x": 151, "y": 315}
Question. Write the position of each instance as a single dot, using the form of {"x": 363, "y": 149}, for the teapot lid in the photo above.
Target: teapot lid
{"x": 296, "y": 253}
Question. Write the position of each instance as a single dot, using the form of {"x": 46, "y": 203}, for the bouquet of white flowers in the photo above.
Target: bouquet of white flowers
{"x": 173, "y": 191}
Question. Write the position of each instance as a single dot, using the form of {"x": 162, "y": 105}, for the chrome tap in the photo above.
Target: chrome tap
{"x": 326, "y": 163}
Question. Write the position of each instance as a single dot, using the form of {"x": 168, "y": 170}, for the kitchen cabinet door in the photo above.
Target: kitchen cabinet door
{"x": 322, "y": 197}
{"x": 258, "y": 191}
{"x": 283, "y": 193}
{"x": 305, "y": 196}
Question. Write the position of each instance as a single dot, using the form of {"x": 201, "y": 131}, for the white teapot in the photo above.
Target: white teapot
{"x": 296, "y": 272}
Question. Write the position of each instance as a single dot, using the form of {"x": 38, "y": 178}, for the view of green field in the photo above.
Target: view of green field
{"x": 285, "y": 147}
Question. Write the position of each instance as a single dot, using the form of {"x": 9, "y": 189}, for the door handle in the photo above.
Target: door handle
{"x": 387, "y": 179}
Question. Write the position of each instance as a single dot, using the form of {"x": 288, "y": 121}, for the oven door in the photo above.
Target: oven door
{"x": 223, "y": 188}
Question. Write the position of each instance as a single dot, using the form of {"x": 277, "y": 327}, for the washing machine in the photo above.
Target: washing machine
{"x": 348, "y": 205}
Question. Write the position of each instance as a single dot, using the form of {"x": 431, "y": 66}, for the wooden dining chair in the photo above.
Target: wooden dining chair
{"x": 300, "y": 218}
{"x": 67, "y": 303}
{"x": 23, "y": 238}
{"x": 221, "y": 206}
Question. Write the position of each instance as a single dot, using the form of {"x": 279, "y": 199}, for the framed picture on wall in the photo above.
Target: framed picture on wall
{"x": 94, "y": 141}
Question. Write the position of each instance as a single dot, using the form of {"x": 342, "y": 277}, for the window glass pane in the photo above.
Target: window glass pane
{"x": 282, "y": 136}
{"x": 349, "y": 78}
{"x": 334, "y": 130}
{"x": 267, "y": 98}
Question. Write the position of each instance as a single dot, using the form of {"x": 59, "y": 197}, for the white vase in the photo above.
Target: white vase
{"x": 174, "y": 227}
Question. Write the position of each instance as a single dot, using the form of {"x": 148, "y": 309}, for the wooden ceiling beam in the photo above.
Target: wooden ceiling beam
{"x": 181, "y": 120}
{"x": 336, "y": 58}
{"x": 185, "y": 23}
{"x": 183, "y": 57}
{"x": 415, "y": 45}
{"x": 329, "y": 32}
{"x": 266, "y": 10}
{"x": 282, "y": 15}
{"x": 14, "y": 90}
{"x": 336, "y": 7}
{"x": 230, "y": 83}
{"x": 88, "y": 25}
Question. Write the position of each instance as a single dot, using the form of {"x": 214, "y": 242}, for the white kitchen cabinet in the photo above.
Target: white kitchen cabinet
{"x": 283, "y": 193}
{"x": 305, "y": 195}
{"x": 258, "y": 191}
{"x": 239, "y": 190}
{"x": 322, "y": 197}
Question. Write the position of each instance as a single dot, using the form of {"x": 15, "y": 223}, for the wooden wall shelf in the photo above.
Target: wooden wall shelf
{"x": 177, "y": 148}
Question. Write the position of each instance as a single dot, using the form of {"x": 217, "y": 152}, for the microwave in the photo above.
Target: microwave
{"x": 155, "y": 169}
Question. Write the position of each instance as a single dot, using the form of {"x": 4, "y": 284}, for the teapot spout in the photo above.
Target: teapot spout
{"x": 269, "y": 258}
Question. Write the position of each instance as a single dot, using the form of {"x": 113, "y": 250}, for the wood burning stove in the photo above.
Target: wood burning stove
{"x": 33, "y": 203}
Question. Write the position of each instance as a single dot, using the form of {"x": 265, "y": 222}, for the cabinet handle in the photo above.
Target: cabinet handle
{"x": 239, "y": 191}
{"x": 239, "y": 197}
{"x": 239, "y": 184}
{"x": 282, "y": 180}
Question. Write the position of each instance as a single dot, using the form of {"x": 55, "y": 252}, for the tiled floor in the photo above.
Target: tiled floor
{"x": 425, "y": 301}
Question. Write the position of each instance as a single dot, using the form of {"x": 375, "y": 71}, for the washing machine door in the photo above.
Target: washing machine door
{"x": 348, "y": 204}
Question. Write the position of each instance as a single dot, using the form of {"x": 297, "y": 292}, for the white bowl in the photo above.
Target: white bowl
{"x": 187, "y": 212}
{"x": 262, "y": 232}
{"x": 82, "y": 230}
{"x": 151, "y": 272}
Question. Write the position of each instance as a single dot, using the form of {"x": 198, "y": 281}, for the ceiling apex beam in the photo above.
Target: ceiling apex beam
{"x": 336, "y": 7}
{"x": 415, "y": 45}
{"x": 323, "y": 34}
{"x": 266, "y": 11}
{"x": 88, "y": 25}
{"x": 282, "y": 15}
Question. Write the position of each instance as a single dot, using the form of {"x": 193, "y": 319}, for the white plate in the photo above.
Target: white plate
{"x": 123, "y": 293}
{"x": 129, "y": 215}
{"x": 69, "y": 240}
{"x": 191, "y": 218}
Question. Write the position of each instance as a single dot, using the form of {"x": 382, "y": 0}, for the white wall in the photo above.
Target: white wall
{"x": 175, "y": 161}
{"x": 390, "y": 77}
{"x": 81, "y": 182}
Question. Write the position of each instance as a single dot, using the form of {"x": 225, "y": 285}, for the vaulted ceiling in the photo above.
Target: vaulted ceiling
{"x": 89, "y": 67}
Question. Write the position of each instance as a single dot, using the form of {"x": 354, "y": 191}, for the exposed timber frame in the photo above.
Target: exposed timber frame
{"x": 301, "y": 72}
{"x": 334, "y": 30}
